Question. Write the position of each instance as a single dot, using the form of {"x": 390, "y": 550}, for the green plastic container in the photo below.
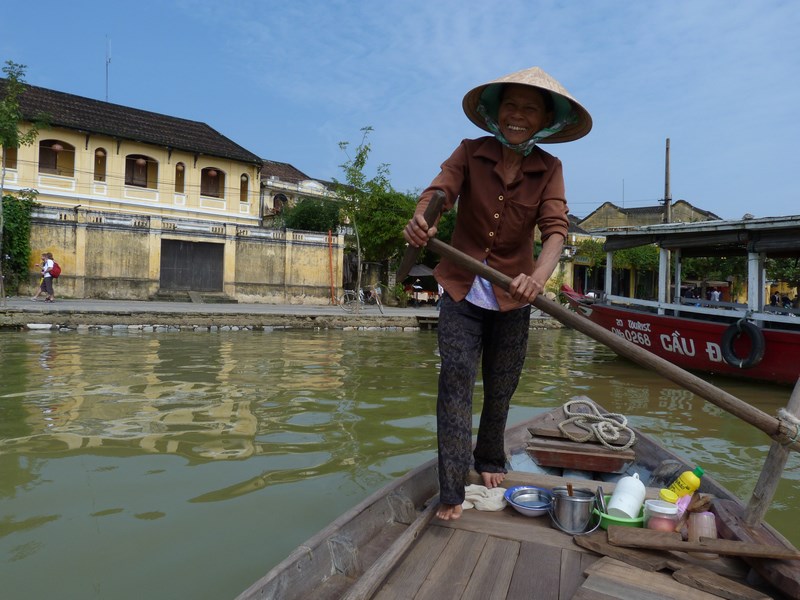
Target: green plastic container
{"x": 606, "y": 520}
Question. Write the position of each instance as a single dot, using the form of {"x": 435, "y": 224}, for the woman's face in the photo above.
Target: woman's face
{"x": 522, "y": 113}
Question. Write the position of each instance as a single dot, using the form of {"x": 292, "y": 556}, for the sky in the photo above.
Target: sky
{"x": 290, "y": 80}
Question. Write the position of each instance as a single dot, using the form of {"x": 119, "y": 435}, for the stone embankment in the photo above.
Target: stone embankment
{"x": 22, "y": 314}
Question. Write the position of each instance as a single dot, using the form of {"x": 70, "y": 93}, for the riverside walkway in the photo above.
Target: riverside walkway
{"x": 20, "y": 313}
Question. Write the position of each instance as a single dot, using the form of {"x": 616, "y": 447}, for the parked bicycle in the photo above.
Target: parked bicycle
{"x": 371, "y": 296}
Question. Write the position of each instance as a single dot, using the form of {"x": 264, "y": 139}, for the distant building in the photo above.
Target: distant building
{"x": 609, "y": 215}
{"x": 283, "y": 185}
{"x": 134, "y": 204}
{"x": 585, "y": 275}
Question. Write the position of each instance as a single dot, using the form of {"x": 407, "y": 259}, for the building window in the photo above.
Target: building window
{"x": 180, "y": 174}
{"x": 212, "y": 183}
{"x": 100, "y": 164}
{"x": 279, "y": 203}
{"x": 141, "y": 171}
{"x": 244, "y": 186}
{"x": 10, "y": 157}
{"x": 56, "y": 158}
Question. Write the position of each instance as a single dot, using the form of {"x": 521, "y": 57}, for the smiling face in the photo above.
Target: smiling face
{"x": 522, "y": 113}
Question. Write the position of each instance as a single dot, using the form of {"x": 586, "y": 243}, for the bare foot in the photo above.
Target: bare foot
{"x": 492, "y": 480}
{"x": 447, "y": 512}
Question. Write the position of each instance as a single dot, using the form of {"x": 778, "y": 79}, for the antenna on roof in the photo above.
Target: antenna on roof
{"x": 108, "y": 62}
{"x": 667, "y": 192}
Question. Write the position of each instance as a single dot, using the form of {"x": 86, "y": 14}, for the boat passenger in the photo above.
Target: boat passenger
{"x": 506, "y": 186}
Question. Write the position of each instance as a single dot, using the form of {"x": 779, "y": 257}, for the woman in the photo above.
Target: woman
{"x": 48, "y": 278}
{"x": 505, "y": 186}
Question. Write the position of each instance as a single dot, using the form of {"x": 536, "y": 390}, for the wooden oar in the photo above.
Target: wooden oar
{"x": 770, "y": 425}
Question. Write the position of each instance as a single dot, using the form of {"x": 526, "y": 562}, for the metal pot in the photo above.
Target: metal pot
{"x": 572, "y": 514}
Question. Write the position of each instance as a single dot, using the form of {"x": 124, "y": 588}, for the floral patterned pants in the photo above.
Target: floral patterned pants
{"x": 467, "y": 334}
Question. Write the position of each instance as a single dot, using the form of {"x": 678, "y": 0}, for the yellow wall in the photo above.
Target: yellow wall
{"x": 106, "y": 255}
{"x": 107, "y": 235}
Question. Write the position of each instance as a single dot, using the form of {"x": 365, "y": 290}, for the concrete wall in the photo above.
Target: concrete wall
{"x": 113, "y": 256}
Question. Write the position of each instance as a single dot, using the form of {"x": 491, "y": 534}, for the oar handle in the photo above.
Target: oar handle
{"x": 759, "y": 419}
{"x": 432, "y": 212}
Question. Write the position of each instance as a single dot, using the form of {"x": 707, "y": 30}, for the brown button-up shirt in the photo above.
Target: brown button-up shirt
{"x": 496, "y": 220}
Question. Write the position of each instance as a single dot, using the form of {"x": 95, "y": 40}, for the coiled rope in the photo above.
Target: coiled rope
{"x": 789, "y": 421}
{"x": 605, "y": 428}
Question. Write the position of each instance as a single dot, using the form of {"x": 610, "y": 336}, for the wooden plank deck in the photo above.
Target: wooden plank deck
{"x": 507, "y": 556}
{"x": 490, "y": 556}
{"x": 387, "y": 548}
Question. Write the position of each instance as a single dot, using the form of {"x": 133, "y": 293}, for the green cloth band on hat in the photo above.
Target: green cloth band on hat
{"x": 563, "y": 116}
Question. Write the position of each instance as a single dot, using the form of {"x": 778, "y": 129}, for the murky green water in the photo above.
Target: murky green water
{"x": 185, "y": 465}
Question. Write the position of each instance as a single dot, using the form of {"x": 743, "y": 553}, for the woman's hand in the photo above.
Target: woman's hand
{"x": 417, "y": 232}
{"x": 525, "y": 288}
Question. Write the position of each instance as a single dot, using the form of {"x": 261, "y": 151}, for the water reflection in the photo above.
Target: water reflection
{"x": 202, "y": 459}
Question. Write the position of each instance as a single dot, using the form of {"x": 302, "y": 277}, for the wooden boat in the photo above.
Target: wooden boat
{"x": 391, "y": 546}
{"x": 751, "y": 340}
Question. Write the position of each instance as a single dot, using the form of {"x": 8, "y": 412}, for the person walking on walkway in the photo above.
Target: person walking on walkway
{"x": 506, "y": 186}
{"x": 48, "y": 278}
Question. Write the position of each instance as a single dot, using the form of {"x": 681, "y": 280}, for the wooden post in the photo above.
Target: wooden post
{"x": 771, "y": 472}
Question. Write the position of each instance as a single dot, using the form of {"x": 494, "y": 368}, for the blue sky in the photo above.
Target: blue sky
{"x": 290, "y": 80}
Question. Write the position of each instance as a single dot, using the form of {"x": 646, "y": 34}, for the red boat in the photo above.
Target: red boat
{"x": 752, "y": 340}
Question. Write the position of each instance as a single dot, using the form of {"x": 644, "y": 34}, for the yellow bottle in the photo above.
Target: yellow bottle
{"x": 668, "y": 496}
{"x": 687, "y": 483}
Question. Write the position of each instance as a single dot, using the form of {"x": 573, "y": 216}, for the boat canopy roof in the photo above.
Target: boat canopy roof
{"x": 774, "y": 236}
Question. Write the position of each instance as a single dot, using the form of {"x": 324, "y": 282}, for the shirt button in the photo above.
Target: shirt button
{"x": 496, "y": 215}
{"x": 500, "y": 198}
{"x": 491, "y": 234}
{"x": 486, "y": 250}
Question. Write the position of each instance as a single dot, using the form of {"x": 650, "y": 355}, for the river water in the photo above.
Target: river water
{"x": 185, "y": 465}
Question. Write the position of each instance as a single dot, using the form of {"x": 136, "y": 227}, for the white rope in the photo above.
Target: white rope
{"x": 785, "y": 415}
{"x": 606, "y": 429}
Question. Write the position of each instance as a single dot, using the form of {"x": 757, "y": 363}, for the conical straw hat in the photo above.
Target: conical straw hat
{"x": 489, "y": 95}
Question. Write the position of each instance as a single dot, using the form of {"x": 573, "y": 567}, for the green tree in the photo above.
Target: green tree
{"x": 641, "y": 258}
{"x": 356, "y": 190}
{"x": 382, "y": 217}
{"x": 311, "y": 214}
{"x": 592, "y": 250}
{"x": 784, "y": 269}
{"x": 11, "y": 137}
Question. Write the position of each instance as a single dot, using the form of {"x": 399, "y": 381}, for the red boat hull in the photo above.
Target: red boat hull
{"x": 694, "y": 344}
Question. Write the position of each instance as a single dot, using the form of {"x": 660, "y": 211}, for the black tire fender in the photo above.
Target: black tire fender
{"x": 757, "y": 345}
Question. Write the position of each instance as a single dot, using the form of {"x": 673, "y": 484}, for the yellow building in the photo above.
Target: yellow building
{"x": 609, "y": 215}
{"x": 134, "y": 204}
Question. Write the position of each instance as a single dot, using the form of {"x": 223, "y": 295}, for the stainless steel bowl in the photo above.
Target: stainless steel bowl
{"x": 529, "y": 500}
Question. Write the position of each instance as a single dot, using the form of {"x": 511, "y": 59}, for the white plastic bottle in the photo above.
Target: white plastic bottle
{"x": 627, "y": 499}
